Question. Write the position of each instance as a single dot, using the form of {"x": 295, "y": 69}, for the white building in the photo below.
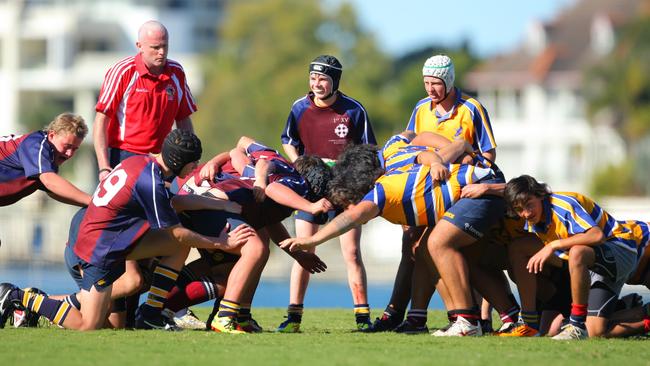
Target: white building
{"x": 535, "y": 99}
{"x": 59, "y": 50}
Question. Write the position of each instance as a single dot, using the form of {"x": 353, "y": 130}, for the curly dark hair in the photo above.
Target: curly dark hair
{"x": 355, "y": 173}
{"x": 316, "y": 173}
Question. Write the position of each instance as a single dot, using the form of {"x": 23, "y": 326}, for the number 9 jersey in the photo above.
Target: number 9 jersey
{"x": 127, "y": 203}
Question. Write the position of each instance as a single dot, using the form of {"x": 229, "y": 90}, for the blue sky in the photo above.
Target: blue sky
{"x": 492, "y": 26}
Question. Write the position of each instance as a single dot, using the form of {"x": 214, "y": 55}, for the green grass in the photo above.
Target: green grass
{"x": 326, "y": 339}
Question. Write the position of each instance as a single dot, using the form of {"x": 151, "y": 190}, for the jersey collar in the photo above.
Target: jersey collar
{"x": 142, "y": 69}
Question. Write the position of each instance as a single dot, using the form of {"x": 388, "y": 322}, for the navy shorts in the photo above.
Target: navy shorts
{"x": 100, "y": 278}
{"x": 210, "y": 222}
{"x": 475, "y": 216}
{"x": 319, "y": 219}
{"x": 73, "y": 265}
{"x": 116, "y": 156}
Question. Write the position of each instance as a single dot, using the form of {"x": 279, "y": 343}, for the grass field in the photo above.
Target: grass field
{"x": 326, "y": 339}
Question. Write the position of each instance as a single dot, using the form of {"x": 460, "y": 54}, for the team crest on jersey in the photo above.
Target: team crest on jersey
{"x": 341, "y": 130}
{"x": 170, "y": 92}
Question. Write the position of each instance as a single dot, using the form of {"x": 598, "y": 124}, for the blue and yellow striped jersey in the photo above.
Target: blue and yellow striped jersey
{"x": 641, "y": 230}
{"x": 398, "y": 153}
{"x": 410, "y": 197}
{"x": 569, "y": 213}
{"x": 467, "y": 120}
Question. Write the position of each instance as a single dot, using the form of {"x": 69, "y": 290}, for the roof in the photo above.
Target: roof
{"x": 566, "y": 47}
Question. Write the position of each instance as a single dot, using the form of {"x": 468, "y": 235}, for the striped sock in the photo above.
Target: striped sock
{"x": 244, "y": 313}
{"x": 417, "y": 317}
{"x": 471, "y": 315}
{"x": 362, "y": 313}
{"x": 193, "y": 293}
{"x": 186, "y": 276}
{"x": 163, "y": 280}
{"x": 531, "y": 318}
{"x": 72, "y": 300}
{"x": 578, "y": 315}
{"x": 54, "y": 310}
{"x": 228, "y": 309}
{"x": 294, "y": 312}
{"x": 510, "y": 315}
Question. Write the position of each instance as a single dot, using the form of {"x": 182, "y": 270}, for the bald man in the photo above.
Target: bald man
{"x": 141, "y": 98}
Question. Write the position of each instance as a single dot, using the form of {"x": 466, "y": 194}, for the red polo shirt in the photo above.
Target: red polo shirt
{"x": 142, "y": 107}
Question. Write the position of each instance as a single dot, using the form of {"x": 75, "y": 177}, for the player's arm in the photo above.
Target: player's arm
{"x": 291, "y": 152}
{"x": 285, "y": 196}
{"x": 352, "y": 217}
{"x": 593, "y": 236}
{"x": 185, "y": 124}
{"x": 490, "y": 154}
{"x": 427, "y": 139}
{"x": 213, "y": 166}
{"x": 100, "y": 142}
{"x": 62, "y": 190}
{"x": 192, "y": 202}
{"x": 228, "y": 242}
{"x": 476, "y": 190}
{"x": 307, "y": 260}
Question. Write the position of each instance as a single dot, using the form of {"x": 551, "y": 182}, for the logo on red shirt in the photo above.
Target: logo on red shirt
{"x": 170, "y": 92}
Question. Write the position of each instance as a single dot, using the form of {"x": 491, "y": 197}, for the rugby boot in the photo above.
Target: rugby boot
{"x": 408, "y": 327}
{"x": 289, "y": 326}
{"x": 226, "y": 324}
{"x": 159, "y": 322}
{"x": 250, "y": 325}
{"x": 519, "y": 330}
{"x": 571, "y": 332}
{"x": 386, "y": 323}
{"x": 462, "y": 328}
{"x": 7, "y": 305}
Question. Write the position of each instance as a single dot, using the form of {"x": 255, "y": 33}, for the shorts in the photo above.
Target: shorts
{"x": 475, "y": 216}
{"x": 100, "y": 278}
{"x": 116, "y": 156}
{"x": 319, "y": 219}
{"x": 612, "y": 267}
{"x": 73, "y": 265}
{"x": 210, "y": 222}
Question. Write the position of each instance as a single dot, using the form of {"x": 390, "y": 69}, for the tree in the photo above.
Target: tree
{"x": 619, "y": 88}
{"x": 260, "y": 68}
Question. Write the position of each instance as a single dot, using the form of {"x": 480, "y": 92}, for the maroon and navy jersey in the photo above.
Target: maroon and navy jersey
{"x": 324, "y": 132}
{"x": 22, "y": 159}
{"x": 127, "y": 203}
{"x": 240, "y": 188}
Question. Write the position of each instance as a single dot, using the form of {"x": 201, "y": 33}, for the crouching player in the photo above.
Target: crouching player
{"x": 601, "y": 252}
{"x": 269, "y": 189}
{"x": 130, "y": 217}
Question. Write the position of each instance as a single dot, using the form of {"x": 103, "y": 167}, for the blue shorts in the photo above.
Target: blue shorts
{"x": 210, "y": 222}
{"x": 319, "y": 219}
{"x": 116, "y": 156}
{"x": 475, "y": 216}
{"x": 100, "y": 278}
{"x": 73, "y": 265}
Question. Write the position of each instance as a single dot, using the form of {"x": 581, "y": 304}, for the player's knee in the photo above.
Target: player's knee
{"x": 580, "y": 255}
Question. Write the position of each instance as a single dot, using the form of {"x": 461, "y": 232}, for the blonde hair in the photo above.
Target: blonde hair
{"x": 70, "y": 123}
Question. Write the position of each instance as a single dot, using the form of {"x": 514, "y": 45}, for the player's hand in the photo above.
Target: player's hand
{"x": 258, "y": 192}
{"x": 537, "y": 261}
{"x": 473, "y": 190}
{"x": 103, "y": 174}
{"x": 235, "y": 239}
{"x": 209, "y": 171}
{"x": 295, "y": 244}
{"x": 438, "y": 172}
{"x": 309, "y": 261}
{"x": 320, "y": 206}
